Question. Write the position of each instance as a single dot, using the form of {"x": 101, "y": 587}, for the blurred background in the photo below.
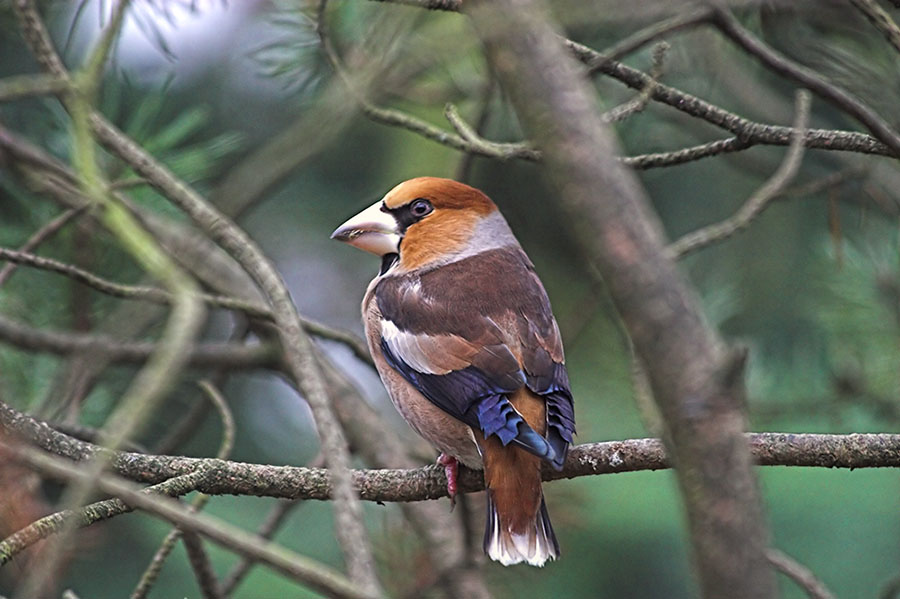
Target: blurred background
{"x": 238, "y": 99}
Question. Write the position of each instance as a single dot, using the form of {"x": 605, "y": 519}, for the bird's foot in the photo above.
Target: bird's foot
{"x": 451, "y": 469}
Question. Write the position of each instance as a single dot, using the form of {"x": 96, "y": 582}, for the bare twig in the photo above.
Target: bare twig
{"x": 284, "y": 561}
{"x": 130, "y": 183}
{"x": 748, "y": 132}
{"x": 201, "y": 565}
{"x": 161, "y": 296}
{"x": 881, "y": 20}
{"x": 473, "y": 144}
{"x": 150, "y": 294}
{"x": 733, "y": 30}
{"x": 757, "y": 202}
{"x": 482, "y": 147}
{"x": 295, "y": 344}
{"x": 23, "y": 86}
{"x": 637, "y": 104}
{"x": 85, "y": 516}
{"x": 92, "y": 435}
{"x": 233, "y": 355}
{"x": 803, "y": 576}
{"x": 653, "y": 32}
{"x": 274, "y": 519}
{"x": 448, "y": 5}
{"x": 464, "y": 167}
{"x": 660, "y": 159}
{"x": 42, "y": 235}
{"x": 38, "y": 39}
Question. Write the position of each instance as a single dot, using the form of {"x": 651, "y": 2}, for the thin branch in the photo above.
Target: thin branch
{"x": 757, "y": 202}
{"x": 284, "y": 561}
{"x": 273, "y": 521}
{"x": 881, "y": 20}
{"x": 296, "y": 346}
{"x": 149, "y": 294}
{"x": 197, "y": 555}
{"x": 163, "y": 297}
{"x": 464, "y": 167}
{"x": 845, "y": 101}
{"x": 623, "y": 111}
{"x": 201, "y": 565}
{"x": 474, "y": 144}
{"x": 208, "y": 355}
{"x": 479, "y": 145}
{"x": 23, "y": 86}
{"x": 41, "y": 235}
{"x": 38, "y": 39}
{"x": 90, "y": 514}
{"x": 153, "y": 569}
{"x": 800, "y": 574}
{"x": 129, "y": 183}
{"x": 749, "y": 132}
{"x": 698, "y": 152}
{"x": 653, "y": 32}
{"x": 92, "y": 435}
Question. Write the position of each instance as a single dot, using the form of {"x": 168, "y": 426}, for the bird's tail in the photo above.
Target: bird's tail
{"x": 534, "y": 543}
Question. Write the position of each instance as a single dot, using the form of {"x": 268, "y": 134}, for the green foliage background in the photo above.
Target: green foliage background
{"x": 817, "y": 308}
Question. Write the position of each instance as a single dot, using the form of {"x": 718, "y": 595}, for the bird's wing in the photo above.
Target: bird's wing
{"x": 470, "y": 333}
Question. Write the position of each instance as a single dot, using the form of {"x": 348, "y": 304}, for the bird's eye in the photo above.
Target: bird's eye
{"x": 420, "y": 207}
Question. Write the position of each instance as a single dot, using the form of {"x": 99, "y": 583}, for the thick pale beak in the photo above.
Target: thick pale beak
{"x": 371, "y": 230}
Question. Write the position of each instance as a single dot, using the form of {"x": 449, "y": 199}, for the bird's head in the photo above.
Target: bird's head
{"x": 427, "y": 221}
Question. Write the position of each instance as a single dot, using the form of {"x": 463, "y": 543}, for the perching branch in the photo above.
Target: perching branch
{"x": 221, "y": 477}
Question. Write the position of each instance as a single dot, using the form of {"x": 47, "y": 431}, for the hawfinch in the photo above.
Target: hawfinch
{"x": 463, "y": 337}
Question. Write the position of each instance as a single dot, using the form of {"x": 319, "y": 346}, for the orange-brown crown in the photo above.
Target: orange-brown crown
{"x": 444, "y": 194}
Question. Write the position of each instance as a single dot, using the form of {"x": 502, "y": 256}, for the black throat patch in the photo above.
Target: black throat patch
{"x": 387, "y": 261}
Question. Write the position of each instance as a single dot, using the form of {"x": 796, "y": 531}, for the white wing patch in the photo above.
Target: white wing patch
{"x": 428, "y": 354}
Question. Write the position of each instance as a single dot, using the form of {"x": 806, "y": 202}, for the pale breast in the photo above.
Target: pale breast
{"x": 446, "y": 433}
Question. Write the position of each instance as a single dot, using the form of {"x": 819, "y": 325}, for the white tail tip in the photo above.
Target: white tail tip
{"x": 534, "y": 547}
